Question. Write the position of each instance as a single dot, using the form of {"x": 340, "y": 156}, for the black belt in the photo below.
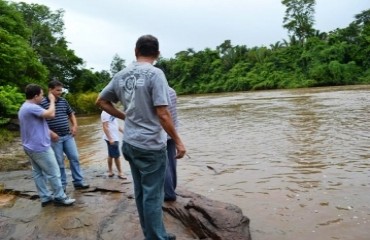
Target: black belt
{"x": 62, "y": 135}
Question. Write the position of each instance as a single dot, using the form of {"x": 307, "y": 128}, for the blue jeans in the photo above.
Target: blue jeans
{"x": 170, "y": 182}
{"x": 45, "y": 168}
{"x": 66, "y": 144}
{"x": 148, "y": 170}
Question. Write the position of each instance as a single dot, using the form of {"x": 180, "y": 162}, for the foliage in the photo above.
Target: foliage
{"x": 299, "y": 18}
{"x": 19, "y": 63}
{"x": 83, "y": 103}
{"x": 117, "y": 64}
{"x": 7, "y": 136}
{"x": 86, "y": 81}
{"x": 48, "y": 42}
{"x": 10, "y": 102}
{"x": 308, "y": 59}
{"x": 33, "y": 49}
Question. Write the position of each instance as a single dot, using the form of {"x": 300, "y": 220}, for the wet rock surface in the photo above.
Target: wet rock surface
{"x": 107, "y": 210}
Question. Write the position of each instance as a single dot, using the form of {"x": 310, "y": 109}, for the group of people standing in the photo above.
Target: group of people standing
{"x": 46, "y": 136}
{"x": 150, "y": 142}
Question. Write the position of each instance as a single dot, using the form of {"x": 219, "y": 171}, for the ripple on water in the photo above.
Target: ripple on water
{"x": 279, "y": 155}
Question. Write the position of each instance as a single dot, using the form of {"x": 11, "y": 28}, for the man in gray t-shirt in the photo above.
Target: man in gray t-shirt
{"x": 143, "y": 91}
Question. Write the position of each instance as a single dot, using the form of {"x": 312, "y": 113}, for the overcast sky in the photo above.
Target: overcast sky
{"x": 97, "y": 30}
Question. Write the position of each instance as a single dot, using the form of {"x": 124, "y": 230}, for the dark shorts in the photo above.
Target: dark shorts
{"x": 113, "y": 149}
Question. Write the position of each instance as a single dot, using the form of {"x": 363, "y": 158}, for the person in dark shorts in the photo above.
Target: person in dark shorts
{"x": 111, "y": 136}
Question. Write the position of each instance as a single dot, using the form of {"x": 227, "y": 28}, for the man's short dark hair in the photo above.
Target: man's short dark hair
{"x": 55, "y": 83}
{"x": 147, "y": 46}
{"x": 32, "y": 90}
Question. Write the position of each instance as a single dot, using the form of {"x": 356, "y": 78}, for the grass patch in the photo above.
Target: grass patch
{"x": 7, "y": 136}
{"x": 12, "y": 156}
{"x": 14, "y": 163}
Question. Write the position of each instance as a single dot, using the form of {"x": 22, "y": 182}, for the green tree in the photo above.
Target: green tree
{"x": 10, "y": 101}
{"x": 299, "y": 18}
{"x": 88, "y": 81}
{"x": 117, "y": 64}
{"x": 19, "y": 63}
{"x": 48, "y": 42}
{"x": 103, "y": 79}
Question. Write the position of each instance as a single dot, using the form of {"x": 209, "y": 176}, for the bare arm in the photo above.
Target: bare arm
{"x": 167, "y": 124}
{"x": 107, "y": 133}
{"x": 50, "y": 112}
{"x": 109, "y": 108}
{"x": 73, "y": 120}
{"x": 54, "y": 136}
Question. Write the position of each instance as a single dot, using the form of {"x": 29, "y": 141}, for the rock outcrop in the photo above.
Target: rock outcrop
{"x": 208, "y": 219}
{"x": 107, "y": 211}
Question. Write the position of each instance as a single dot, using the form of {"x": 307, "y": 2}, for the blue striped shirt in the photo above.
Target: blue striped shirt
{"x": 172, "y": 107}
{"x": 59, "y": 124}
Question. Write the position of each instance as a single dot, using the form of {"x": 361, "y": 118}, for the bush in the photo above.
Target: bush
{"x": 10, "y": 102}
{"x": 83, "y": 103}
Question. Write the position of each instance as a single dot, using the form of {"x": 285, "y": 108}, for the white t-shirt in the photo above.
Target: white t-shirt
{"x": 113, "y": 127}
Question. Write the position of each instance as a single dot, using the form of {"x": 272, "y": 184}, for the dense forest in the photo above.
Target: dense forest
{"x": 33, "y": 49}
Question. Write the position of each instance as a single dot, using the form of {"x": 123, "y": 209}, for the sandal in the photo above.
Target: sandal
{"x": 111, "y": 175}
{"x": 121, "y": 177}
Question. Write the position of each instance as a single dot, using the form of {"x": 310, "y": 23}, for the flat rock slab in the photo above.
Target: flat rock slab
{"x": 107, "y": 210}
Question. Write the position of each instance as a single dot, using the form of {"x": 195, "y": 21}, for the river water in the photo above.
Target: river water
{"x": 295, "y": 161}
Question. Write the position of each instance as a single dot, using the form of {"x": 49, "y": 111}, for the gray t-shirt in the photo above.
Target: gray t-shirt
{"x": 140, "y": 88}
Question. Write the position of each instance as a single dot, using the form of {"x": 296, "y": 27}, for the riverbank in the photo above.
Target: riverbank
{"x": 107, "y": 210}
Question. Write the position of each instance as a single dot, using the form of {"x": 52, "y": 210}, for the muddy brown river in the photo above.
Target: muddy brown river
{"x": 297, "y": 162}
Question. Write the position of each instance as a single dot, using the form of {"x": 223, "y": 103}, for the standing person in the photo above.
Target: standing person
{"x": 111, "y": 131}
{"x": 37, "y": 145}
{"x": 63, "y": 136}
{"x": 143, "y": 91}
{"x": 170, "y": 182}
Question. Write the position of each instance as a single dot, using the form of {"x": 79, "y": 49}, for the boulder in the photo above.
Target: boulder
{"x": 208, "y": 219}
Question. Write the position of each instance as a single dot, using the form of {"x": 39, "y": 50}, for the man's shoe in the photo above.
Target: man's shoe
{"x": 64, "y": 201}
{"x": 44, "y": 204}
{"x": 168, "y": 199}
{"x": 82, "y": 186}
{"x": 171, "y": 236}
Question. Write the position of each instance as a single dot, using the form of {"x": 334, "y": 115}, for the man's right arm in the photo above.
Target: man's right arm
{"x": 167, "y": 124}
{"x": 50, "y": 112}
{"x": 109, "y": 108}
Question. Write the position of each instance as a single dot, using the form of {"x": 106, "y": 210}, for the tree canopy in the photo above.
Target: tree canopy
{"x": 33, "y": 49}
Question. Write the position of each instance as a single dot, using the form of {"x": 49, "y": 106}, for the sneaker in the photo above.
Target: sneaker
{"x": 44, "y": 204}
{"x": 171, "y": 236}
{"x": 67, "y": 201}
{"x": 82, "y": 186}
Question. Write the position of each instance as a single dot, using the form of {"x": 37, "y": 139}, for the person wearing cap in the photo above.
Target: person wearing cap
{"x": 143, "y": 90}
